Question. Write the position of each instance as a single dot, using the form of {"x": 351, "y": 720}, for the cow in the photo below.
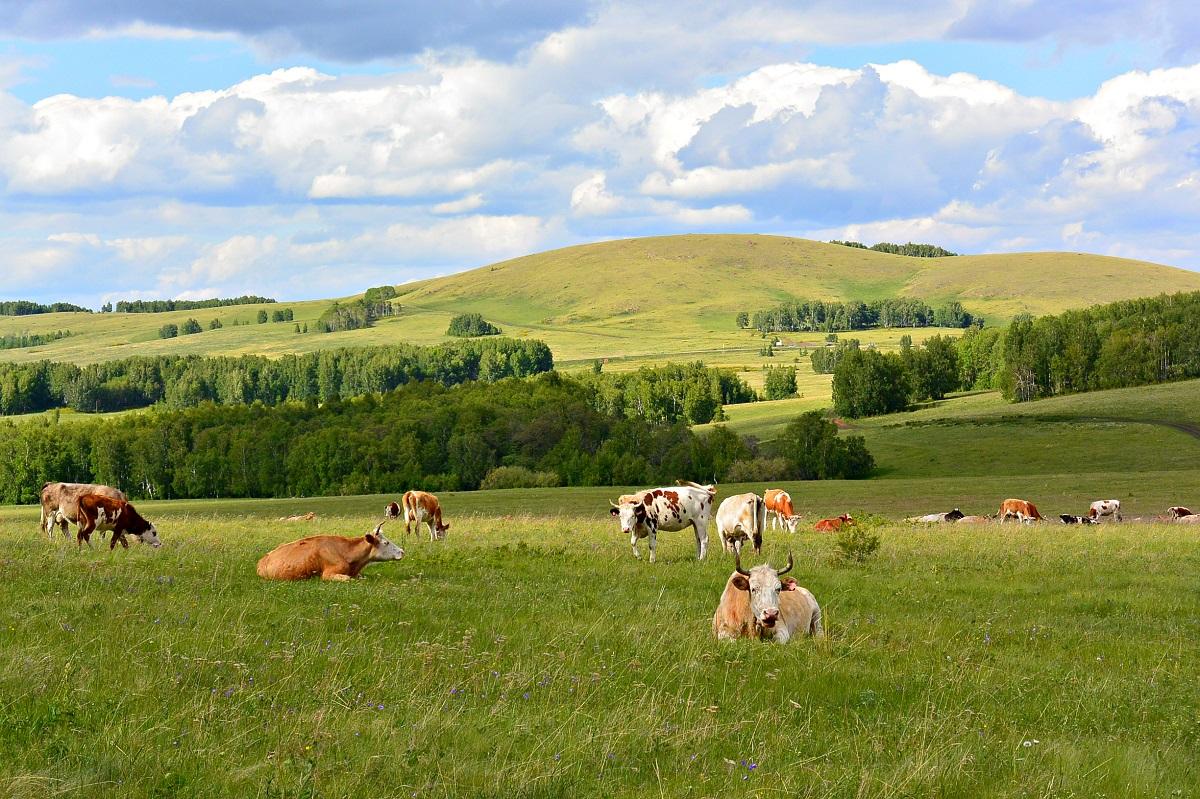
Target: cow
{"x": 101, "y": 512}
{"x": 834, "y": 523}
{"x": 1178, "y": 512}
{"x": 757, "y": 604}
{"x": 60, "y": 503}
{"x": 643, "y": 514}
{"x": 1191, "y": 518}
{"x": 330, "y": 557}
{"x": 1069, "y": 519}
{"x": 421, "y": 507}
{"x": 741, "y": 518}
{"x": 975, "y": 520}
{"x": 1105, "y": 509}
{"x": 1018, "y": 509}
{"x": 299, "y": 517}
{"x": 937, "y": 518}
{"x": 779, "y": 506}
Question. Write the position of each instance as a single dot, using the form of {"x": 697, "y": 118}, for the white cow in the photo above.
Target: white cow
{"x": 741, "y": 518}
{"x": 644, "y": 513}
{"x": 1105, "y": 509}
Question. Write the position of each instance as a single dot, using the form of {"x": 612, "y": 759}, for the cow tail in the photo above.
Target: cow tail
{"x": 815, "y": 629}
{"x": 760, "y": 513}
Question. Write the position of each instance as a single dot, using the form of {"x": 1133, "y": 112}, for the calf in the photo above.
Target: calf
{"x": 643, "y": 514}
{"x": 1105, "y": 509}
{"x": 741, "y": 518}
{"x": 60, "y": 503}
{"x": 331, "y": 557}
{"x": 779, "y": 506}
{"x": 421, "y": 507}
{"x": 834, "y": 524}
{"x": 757, "y": 604}
{"x": 1069, "y": 519}
{"x": 100, "y": 512}
{"x": 1019, "y": 509}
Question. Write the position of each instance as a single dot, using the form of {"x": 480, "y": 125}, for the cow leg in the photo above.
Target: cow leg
{"x": 338, "y": 577}
{"x": 633, "y": 544}
{"x": 701, "y": 539}
{"x": 653, "y": 543}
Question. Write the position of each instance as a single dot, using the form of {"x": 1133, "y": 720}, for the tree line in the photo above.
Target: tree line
{"x": 16, "y": 341}
{"x": 181, "y": 381}
{"x": 914, "y": 250}
{"x": 821, "y": 316}
{"x": 689, "y": 392}
{"x": 27, "y": 308}
{"x": 162, "y": 306}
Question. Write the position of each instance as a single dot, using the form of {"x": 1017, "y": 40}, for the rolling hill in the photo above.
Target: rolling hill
{"x": 639, "y": 300}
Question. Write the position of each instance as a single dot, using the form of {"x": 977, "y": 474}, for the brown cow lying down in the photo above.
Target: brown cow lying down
{"x": 757, "y": 604}
{"x": 60, "y": 502}
{"x": 975, "y": 520}
{"x": 331, "y": 557}
{"x": 834, "y": 524}
{"x": 301, "y": 517}
{"x": 98, "y": 512}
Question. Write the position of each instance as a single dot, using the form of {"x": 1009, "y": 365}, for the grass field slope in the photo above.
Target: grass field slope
{"x": 637, "y": 300}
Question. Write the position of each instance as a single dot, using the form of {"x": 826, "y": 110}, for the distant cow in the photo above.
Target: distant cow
{"x": 60, "y": 503}
{"x": 100, "y": 512}
{"x": 1191, "y": 518}
{"x": 975, "y": 520}
{"x": 643, "y": 514}
{"x": 834, "y": 523}
{"x": 421, "y": 507}
{"x": 1178, "y": 512}
{"x": 757, "y": 604}
{"x": 1019, "y": 509}
{"x": 1069, "y": 519}
{"x": 330, "y": 557}
{"x": 779, "y": 506}
{"x": 741, "y": 518}
{"x": 1105, "y": 509}
{"x": 937, "y": 518}
{"x": 299, "y": 517}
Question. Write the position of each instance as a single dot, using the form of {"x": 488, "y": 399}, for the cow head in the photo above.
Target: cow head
{"x": 381, "y": 548}
{"x": 441, "y": 529}
{"x": 631, "y": 514}
{"x": 790, "y": 522}
{"x": 148, "y": 536}
{"x": 846, "y": 518}
{"x": 764, "y": 586}
{"x": 954, "y": 515}
{"x": 392, "y": 511}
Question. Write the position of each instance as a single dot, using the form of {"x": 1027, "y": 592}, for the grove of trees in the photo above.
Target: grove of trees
{"x": 689, "y": 392}
{"x": 160, "y": 306}
{"x": 819, "y": 315}
{"x": 27, "y": 308}
{"x": 916, "y": 250}
{"x": 471, "y": 325}
{"x": 16, "y": 341}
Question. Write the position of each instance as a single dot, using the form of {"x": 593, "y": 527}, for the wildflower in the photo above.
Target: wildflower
{"x": 525, "y": 695}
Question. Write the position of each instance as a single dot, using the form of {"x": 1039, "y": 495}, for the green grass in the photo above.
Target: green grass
{"x": 531, "y": 655}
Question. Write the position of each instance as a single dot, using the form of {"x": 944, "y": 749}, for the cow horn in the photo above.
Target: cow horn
{"x": 615, "y": 505}
{"x": 737, "y": 564}
{"x": 379, "y": 527}
{"x": 791, "y": 563}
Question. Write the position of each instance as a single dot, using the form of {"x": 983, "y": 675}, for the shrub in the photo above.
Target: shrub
{"x": 215, "y": 324}
{"x": 855, "y": 544}
{"x": 471, "y": 325}
{"x": 780, "y": 383}
{"x": 262, "y": 317}
{"x": 813, "y": 450}
{"x": 518, "y": 477}
{"x": 189, "y": 327}
{"x": 757, "y": 470}
{"x": 169, "y": 330}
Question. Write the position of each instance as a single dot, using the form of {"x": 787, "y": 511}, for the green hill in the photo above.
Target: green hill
{"x": 639, "y": 300}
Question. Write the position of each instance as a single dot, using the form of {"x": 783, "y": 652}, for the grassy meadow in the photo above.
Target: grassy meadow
{"x": 530, "y": 655}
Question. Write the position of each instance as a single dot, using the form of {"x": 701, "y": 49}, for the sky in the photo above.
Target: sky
{"x": 314, "y": 148}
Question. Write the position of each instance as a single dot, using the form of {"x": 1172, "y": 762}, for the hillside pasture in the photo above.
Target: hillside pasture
{"x": 530, "y": 655}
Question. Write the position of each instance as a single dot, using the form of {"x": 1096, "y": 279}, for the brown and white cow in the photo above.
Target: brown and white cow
{"x": 60, "y": 503}
{"x": 644, "y": 513}
{"x": 1105, "y": 509}
{"x": 100, "y": 512}
{"x": 937, "y": 518}
{"x": 1019, "y": 509}
{"x": 299, "y": 517}
{"x": 741, "y": 518}
{"x": 330, "y": 557}
{"x": 1178, "y": 512}
{"x": 834, "y": 523}
{"x": 421, "y": 507}
{"x": 758, "y": 604}
{"x": 779, "y": 506}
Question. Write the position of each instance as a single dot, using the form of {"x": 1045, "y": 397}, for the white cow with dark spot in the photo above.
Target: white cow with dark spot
{"x": 1105, "y": 509}
{"x": 644, "y": 513}
{"x": 742, "y": 518}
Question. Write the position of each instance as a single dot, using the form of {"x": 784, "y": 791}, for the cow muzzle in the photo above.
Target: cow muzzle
{"x": 769, "y": 617}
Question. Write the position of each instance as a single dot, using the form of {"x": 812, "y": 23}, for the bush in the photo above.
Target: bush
{"x": 757, "y": 470}
{"x": 518, "y": 477}
{"x": 813, "y": 450}
{"x": 262, "y": 317}
{"x": 282, "y": 315}
{"x": 471, "y": 325}
{"x": 780, "y": 383}
{"x": 215, "y": 324}
{"x": 169, "y": 330}
{"x": 855, "y": 544}
{"x": 189, "y": 327}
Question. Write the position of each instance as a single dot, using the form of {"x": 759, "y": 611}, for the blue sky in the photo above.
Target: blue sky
{"x": 188, "y": 150}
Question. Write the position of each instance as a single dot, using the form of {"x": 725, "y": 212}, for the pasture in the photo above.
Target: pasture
{"x": 529, "y": 655}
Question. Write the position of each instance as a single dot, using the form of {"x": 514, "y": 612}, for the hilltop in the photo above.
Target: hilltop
{"x": 638, "y": 300}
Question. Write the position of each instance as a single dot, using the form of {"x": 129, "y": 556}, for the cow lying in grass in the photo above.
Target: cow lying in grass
{"x": 330, "y": 557}
{"x": 834, "y": 523}
{"x": 976, "y": 520}
{"x": 757, "y": 604}
{"x": 936, "y": 518}
{"x": 1069, "y": 519}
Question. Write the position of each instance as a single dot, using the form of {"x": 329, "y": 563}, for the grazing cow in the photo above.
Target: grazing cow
{"x": 421, "y": 507}
{"x": 60, "y": 503}
{"x": 937, "y": 518}
{"x": 779, "y": 506}
{"x": 1105, "y": 509}
{"x": 975, "y": 520}
{"x": 643, "y": 514}
{"x": 1069, "y": 519}
{"x": 1018, "y": 509}
{"x": 100, "y": 512}
{"x": 331, "y": 557}
{"x": 1178, "y": 512}
{"x": 834, "y": 524}
{"x": 757, "y": 604}
{"x": 741, "y": 518}
{"x": 300, "y": 517}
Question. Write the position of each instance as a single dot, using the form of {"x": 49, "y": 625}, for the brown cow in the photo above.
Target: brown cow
{"x": 1019, "y": 509}
{"x": 834, "y": 524}
{"x": 757, "y": 604}
{"x": 421, "y": 507}
{"x": 299, "y": 517}
{"x": 975, "y": 520}
{"x": 99, "y": 512}
{"x": 332, "y": 557}
{"x": 779, "y": 506}
{"x": 60, "y": 503}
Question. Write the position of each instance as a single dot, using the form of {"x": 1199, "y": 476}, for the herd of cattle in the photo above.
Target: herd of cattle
{"x": 756, "y": 603}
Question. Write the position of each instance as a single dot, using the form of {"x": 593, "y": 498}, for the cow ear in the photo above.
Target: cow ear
{"x": 614, "y": 512}
{"x": 788, "y": 584}
{"x": 372, "y": 539}
{"x": 741, "y": 583}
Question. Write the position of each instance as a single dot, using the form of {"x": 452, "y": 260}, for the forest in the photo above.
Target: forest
{"x": 691, "y": 392}
{"x": 910, "y": 249}
{"x": 27, "y": 308}
{"x": 161, "y": 306}
{"x": 831, "y": 317}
